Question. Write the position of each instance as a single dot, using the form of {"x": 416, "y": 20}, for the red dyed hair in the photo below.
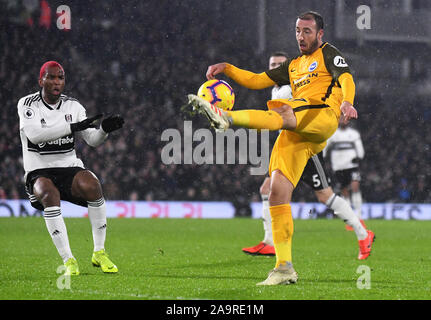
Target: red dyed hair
{"x": 48, "y": 64}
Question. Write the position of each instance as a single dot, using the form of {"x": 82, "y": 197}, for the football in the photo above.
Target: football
{"x": 218, "y": 93}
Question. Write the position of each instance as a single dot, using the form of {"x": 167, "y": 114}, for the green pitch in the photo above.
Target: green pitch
{"x": 165, "y": 259}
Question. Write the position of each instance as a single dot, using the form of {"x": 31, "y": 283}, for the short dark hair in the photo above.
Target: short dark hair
{"x": 278, "y": 54}
{"x": 313, "y": 15}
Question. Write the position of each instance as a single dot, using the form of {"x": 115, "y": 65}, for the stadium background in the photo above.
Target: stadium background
{"x": 140, "y": 59}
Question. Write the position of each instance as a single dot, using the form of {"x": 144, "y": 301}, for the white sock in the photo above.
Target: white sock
{"x": 357, "y": 203}
{"x": 266, "y": 216}
{"x": 347, "y": 200}
{"x": 97, "y": 216}
{"x": 57, "y": 229}
{"x": 344, "y": 211}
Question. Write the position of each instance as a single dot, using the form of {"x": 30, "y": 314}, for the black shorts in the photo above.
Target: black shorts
{"x": 62, "y": 179}
{"x": 345, "y": 177}
{"x": 315, "y": 174}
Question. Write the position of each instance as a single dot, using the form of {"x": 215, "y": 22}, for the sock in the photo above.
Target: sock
{"x": 266, "y": 216}
{"x": 347, "y": 199}
{"x": 57, "y": 229}
{"x": 282, "y": 231}
{"x": 256, "y": 119}
{"x": 344, "y": 211}
{"x": 357, "y": 203}
{"x": 97, "y": 216}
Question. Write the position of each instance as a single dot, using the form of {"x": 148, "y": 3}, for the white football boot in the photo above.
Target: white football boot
{"x": 216, "y": 116}
{"x": 283, "y": 274}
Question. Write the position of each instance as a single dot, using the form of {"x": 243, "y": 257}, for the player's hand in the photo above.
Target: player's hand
{"x": 112, "y": 123}
{"x": 85, "y": 124}
{"x": 215, "y": 69}
{"x": 348, "y": 112}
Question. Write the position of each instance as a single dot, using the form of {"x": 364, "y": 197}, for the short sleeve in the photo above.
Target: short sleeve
{"x": 27, "y": 114}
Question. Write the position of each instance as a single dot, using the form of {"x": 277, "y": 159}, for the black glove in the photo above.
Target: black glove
{"x": 112, "y": 123}
{"x": 85, "y": 124}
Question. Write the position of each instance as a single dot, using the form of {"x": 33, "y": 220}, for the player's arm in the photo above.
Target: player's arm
{"x": 30, "y": 123}
{"x": 92, "y": 136}
{"x": 243, "y": 77}
{"x": 95, "y": 137}
{"x": 340, "y": 71}
{"x": 348, "y": 89}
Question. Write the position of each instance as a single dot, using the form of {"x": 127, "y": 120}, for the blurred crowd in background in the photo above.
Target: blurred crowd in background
{"x": 139, "y": 62}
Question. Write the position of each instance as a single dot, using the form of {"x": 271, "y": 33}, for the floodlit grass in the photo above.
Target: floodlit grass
{"x": 187, "y": 259}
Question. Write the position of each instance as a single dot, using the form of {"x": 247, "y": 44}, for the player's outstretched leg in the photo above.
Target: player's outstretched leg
{"x": 250, "y": 119}
{"x": 345, "y": 212}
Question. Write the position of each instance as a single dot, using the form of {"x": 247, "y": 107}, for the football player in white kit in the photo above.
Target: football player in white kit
{"x": 345, "y": 150}
{"x": 49, "y": 124}
{"x": 316, "y": 177}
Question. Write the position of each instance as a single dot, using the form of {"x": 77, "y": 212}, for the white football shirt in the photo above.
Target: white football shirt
{"x": 344, "y": 146}
{"x": 46, "y": 138}
{"x": 283, "y": 92}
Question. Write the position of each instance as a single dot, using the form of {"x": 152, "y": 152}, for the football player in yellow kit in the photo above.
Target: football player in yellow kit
{"x": 322, "y": 88}
{"x": 316, "y": 177}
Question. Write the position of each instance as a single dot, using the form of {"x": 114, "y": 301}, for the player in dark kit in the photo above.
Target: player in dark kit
{"x": 49, "y": 124}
